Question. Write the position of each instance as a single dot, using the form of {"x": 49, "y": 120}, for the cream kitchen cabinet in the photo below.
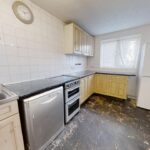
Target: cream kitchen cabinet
{"x": 77, "y": 41}
{"x": 84, "y": 43}
{"x": 83, "y": 90}
{"x": 90, "y": 85}
{"x": 111, "y": 85}
{"x": 86, "y": 88}
{"x": 118, "y": 86}
{"x": 89, "y": 45}
{"x": 101, "y": 84}
{"x": 10, "y": 128}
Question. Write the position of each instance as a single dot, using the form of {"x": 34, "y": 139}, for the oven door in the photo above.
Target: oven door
{"x": 72, "y": 108}
{"x": 71, "y": 93}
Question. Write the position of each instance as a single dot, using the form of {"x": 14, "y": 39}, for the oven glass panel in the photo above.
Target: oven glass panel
{"x": 73, "y": 92}
{"x": 72, "y": 107}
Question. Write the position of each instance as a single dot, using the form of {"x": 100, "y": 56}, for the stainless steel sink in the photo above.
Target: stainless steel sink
{"x": 6, "y": 95}
{"x": 2, "y": 96}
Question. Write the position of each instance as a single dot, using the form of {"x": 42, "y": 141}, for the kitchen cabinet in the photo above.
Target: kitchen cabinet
{"x": 10, "y": 128}
{"x": 83, "y": 90}
{"x": 77, "y": 41}
{"x": 90, "y": 45}
{"x": 84, "y": 44}
{"x": 90, "y": 85}
{"x": 101, "y": 84}
{"x": 118, "y": 86}
{"x": 86, "y": 88}
{"x": 111, "y": 85}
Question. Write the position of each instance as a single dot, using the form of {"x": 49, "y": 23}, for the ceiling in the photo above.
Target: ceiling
{"x": 100, "y": 16}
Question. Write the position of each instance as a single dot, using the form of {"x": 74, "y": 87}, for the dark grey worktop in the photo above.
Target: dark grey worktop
{"x": 31, "y": 88}
{"x": 83, "y": 74}
{"x": 119, "y": 74}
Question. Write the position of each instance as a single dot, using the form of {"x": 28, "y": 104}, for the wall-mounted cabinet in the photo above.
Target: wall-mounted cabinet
{"x": 77, "y": 41}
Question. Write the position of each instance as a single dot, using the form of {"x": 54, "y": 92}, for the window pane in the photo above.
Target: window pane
{"x": 108, "y": 52}
{"x": 120, "y": 54}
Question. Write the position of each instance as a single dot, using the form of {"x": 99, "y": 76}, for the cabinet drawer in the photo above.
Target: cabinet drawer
{"x": 8, "y": 109}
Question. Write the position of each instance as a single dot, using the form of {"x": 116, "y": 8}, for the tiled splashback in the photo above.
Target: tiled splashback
{"x": 33, "y": 51}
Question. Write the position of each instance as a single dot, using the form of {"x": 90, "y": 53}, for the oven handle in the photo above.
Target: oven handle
{"x": 74, "y": 92}
{"x": 72, "y": 101}
{"x": 71, "y": 89}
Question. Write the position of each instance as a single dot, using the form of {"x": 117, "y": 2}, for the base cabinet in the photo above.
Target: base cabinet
{"x": 101, "y": 84}
{"x": 86, "y": 88}
{"x": 90, "y": 85}
{"x": 118, "y": 86}
{"x": 83, "y": 90}
{"x": 10, "y": 130}
{"x": 111, "y": 85}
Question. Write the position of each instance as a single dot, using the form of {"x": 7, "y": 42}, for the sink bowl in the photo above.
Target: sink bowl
{"x": 6, "y": 95}
{"x": 2, "y": 96}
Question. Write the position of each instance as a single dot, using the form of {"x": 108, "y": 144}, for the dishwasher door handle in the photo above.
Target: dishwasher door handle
{"x": 50, "y": 100}
{"x": 57, "y": 90}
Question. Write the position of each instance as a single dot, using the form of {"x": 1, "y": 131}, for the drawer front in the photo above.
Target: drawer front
{"x": 8, "y": 109}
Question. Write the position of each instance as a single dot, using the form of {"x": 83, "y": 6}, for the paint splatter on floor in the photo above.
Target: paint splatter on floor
{"x": 106, "y": 124}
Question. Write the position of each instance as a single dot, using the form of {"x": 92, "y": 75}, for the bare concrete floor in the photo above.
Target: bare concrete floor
{"x": 106, "y": 124}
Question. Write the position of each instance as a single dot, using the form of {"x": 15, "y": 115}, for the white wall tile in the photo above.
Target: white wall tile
{"x": 33, "y": 51}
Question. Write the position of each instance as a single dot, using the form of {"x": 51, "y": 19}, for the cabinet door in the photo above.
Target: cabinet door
{"x": 77, "y": 40}
{"x": 88, "y": 45}
{"x": 86, "y": 88}
{"x": 101, "y": 84}
{"x": 91, "y": 46}
{"x": 10, "y": 134}
{"x": 90, "y": 85}
{"x": 84, "y": 43}
{"x": 82, "y": 90}
{"x": 122, "y": 87}
{"x": 118, "y": 86}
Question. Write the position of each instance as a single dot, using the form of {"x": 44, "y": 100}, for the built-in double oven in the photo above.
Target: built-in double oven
{"x": 72, "y": 99}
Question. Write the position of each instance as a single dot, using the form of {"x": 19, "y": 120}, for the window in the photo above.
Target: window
{"x": 120, "y": 54}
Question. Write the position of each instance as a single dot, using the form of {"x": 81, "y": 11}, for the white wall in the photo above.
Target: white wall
{"x": 94, "y": 62}
{"x": 33, "y": 51}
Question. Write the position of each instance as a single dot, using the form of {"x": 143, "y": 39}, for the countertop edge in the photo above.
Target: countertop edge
{"x": 62, "y": 84}
{"x": 82, "y": 76}
{"x": 45, "y": 89}
{"x": 115, "y": 74}
{"x": 40, "y": 91}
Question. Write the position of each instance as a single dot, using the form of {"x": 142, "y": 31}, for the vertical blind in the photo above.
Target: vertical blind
{"x": 119, "y": 54}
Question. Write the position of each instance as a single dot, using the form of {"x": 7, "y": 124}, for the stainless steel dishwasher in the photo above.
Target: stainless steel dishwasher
{"x": 43, "y": 118}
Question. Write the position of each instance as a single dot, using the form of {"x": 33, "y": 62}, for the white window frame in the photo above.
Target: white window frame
{"x": 121, "y": 70}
